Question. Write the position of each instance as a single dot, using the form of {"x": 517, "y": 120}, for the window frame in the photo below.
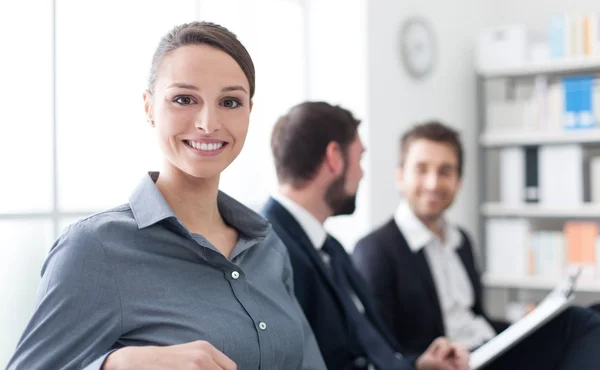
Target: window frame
{"x": 56, "y": 215}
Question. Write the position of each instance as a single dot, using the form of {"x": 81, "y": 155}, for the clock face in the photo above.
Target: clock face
{"x": 417, "y": 47}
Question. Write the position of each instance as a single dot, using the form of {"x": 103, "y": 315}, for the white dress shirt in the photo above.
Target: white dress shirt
{"x": 315, "y": 232}
{"x": 311, "y": 226}
{"x": 454, "y": 289}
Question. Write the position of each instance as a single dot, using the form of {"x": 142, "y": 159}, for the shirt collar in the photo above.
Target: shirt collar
{"x": 150, "y": 207}
{"x": 311, "y": 226}
{"x": 417, "y": 235}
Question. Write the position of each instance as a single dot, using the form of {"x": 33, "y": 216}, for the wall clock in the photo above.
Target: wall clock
{"x": 417, "y": 47}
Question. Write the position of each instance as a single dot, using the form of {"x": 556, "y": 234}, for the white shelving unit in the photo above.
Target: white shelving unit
{"x": 500, "y": 139}
{"x": 553, "y": 67}
{"x": 530, "y": 282}
{"x": 489, "y": 140}
{"x": 538, "y": 211}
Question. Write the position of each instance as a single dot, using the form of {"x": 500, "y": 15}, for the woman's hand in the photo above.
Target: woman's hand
{"x": 198, "y": 355}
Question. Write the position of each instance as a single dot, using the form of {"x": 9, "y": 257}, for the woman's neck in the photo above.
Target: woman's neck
{"x": 193, "y": 200}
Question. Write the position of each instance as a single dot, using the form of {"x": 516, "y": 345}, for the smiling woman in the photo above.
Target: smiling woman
{"x": 182, "y": 274}
{"x": 201, "y": 97}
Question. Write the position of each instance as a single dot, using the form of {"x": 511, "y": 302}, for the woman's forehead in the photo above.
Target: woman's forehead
{"x": 200, "y": 65}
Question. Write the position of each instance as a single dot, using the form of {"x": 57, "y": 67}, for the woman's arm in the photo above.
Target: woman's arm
{"x": 77, "y": 317}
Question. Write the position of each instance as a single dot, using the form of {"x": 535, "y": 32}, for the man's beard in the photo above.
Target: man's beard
{"x": 337, "y": 199}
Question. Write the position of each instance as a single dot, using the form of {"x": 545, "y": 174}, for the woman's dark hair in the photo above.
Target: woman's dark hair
{"x": 202, "y": 33}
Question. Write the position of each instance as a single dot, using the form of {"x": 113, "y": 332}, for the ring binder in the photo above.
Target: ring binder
{"x": 551, "y": 306}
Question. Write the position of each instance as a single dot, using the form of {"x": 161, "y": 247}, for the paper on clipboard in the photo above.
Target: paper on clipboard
{"x": 555, "y": 303}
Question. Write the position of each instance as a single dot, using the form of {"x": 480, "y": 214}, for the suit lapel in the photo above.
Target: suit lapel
{"x": 464, "y": 253}
{"x": 367, "y": 299}
{"x": 422, "y": 270}
{"x": 356, "y": 282}
{"x": 293, "y": 228}
{"x": 361, "y": 290}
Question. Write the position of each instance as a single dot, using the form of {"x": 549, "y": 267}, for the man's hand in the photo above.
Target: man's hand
{"x": 199, "y": 355}
{"x": 443, "y": 355}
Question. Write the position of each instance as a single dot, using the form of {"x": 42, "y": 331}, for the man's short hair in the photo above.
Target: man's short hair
{"x": 433, "y": 131}
{"x": 301, "y": 136}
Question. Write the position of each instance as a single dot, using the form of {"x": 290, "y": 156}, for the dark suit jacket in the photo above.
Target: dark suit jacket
{"x": 320, "y": 299}
{"x": 405, "y": 289}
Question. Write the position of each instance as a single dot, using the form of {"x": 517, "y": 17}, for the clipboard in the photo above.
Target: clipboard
{"x": 551, "y": 306}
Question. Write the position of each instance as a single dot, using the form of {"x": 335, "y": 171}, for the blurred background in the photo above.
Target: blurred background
{"x": 516, "y": 78}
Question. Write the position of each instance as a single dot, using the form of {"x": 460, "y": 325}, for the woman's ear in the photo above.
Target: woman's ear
{"x": 148, "y": 107}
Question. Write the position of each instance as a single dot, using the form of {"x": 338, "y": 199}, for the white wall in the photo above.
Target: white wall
{"x": 355, "y": 60}
{"x": 337, "y": 55}
{"x": 396, "y": 101}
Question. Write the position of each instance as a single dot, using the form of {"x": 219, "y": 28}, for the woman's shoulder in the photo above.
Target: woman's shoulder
{"x": 94, "y": 228}
{"x": 81, "y": 245}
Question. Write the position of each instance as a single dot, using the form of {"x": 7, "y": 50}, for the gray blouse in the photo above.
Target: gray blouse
{"x": 135, "y": 276}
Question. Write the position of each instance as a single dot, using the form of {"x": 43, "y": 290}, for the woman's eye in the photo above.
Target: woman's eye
{"x": 183, "y": 100}
{"x": 231, "y": 103}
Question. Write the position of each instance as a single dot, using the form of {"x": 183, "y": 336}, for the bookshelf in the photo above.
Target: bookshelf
{"x": 497, "y": 209}
{"x": 502, "y": 138}
{"x": 567, "y": 66}
{"x": 497, "y": 139}
{"x": 584, "y": 285}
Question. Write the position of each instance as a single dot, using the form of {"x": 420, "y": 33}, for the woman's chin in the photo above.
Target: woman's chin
{"x": 198, "y": 169}
{"x": 204, "y": 172}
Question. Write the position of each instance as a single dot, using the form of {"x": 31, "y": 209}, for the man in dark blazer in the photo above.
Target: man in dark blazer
{"x": 317, "y": 154}
{"x": 405, "y": 267}
{"x": 424, "y": 275}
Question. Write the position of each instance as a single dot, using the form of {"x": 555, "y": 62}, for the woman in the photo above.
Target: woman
{"x": 182, "y": 276}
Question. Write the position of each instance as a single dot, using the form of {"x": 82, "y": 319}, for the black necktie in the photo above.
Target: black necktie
{"x": 377, "y": 348}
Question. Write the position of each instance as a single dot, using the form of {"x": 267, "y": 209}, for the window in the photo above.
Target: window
{"x": 26, "y": 106}
{"x": 24, "y": 245}
{"x": 25, "y": 160}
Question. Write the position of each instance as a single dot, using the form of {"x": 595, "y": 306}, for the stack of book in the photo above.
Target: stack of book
{"x": 514, "y": 250}
{"x": 549, "y": 175}
{"x": 568, "y": 103}
{"x": 574, "y": 35}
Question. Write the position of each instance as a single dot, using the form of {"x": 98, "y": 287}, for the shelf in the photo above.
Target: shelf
{"x": 500, "y": 139}
{"x": 540, "y": 283}
{"x": 586, "y": 210}
{"x": 551, "y": 67}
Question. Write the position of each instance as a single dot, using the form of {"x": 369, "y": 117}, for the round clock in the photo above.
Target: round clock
{"x": 417, "y": 46}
